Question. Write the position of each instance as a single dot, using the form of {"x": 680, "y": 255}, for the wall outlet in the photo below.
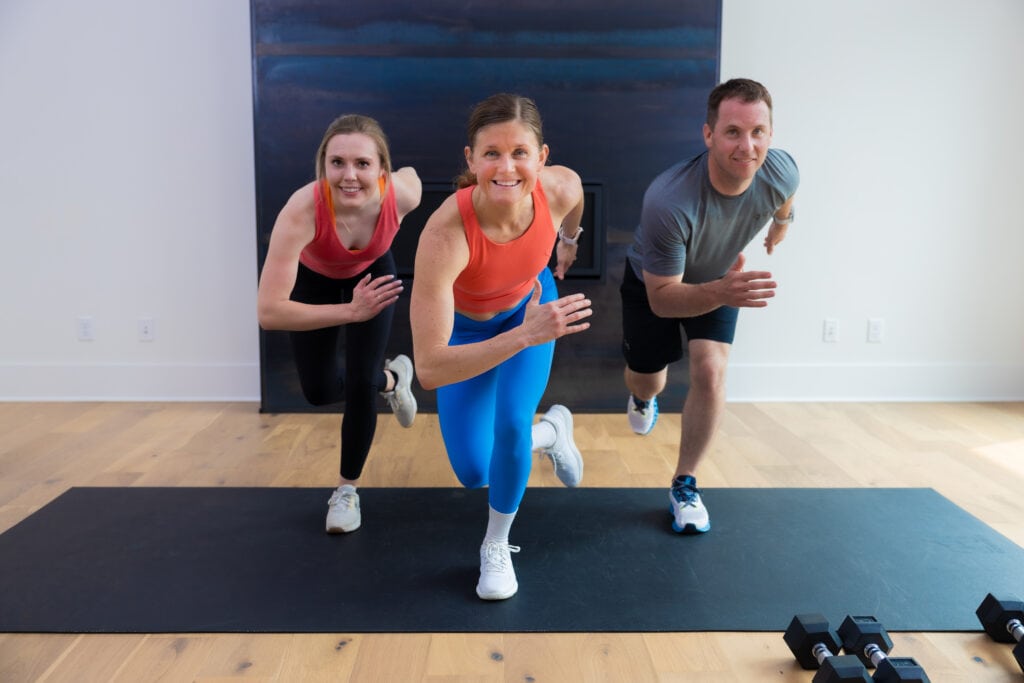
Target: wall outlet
{"x": 830, "y": 331}
{"x": 876, "y": 330}
{"x": 85, "y": 328}
{"x": 147, "y": 329}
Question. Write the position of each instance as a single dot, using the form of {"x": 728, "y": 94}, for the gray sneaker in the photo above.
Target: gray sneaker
{"x": 497, "y": 577}
{"x": 343, "y": 513}
{"x": 401, "y": 400}
{"x": 564, "y": 454}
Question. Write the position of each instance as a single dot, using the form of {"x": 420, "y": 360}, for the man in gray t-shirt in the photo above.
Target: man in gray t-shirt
{"x": 684, "y": 273}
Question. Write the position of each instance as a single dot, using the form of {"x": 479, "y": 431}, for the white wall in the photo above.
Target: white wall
{"x": 126, "y": 179}
{"x": 905, "y": 119}
{"x": 127, "y": 191}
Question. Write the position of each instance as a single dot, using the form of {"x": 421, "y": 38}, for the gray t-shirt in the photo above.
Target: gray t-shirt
{"x": 688, "y": 227}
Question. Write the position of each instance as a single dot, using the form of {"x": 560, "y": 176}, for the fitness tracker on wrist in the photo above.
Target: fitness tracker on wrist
{"x": 570, "y": 240}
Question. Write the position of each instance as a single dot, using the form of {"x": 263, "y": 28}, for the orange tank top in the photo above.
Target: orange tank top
{"x": 326, "y": 254}
{"x": 498, "y": 276}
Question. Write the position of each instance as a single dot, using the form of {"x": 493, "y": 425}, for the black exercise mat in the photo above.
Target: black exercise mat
{"x": 175, "y": 560}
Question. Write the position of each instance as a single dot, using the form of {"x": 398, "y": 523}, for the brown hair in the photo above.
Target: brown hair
{"x": 742, "y": 89}
{"x": 500, "y": 108}
{"x": 354, "y": 123}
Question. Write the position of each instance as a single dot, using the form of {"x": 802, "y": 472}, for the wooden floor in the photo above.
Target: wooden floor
{"x": 971, "y": 453}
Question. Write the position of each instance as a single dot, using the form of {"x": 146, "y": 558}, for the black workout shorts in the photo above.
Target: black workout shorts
{"x": 650, "y": 343}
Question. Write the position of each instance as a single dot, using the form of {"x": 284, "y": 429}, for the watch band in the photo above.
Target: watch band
{"x": 787, "y": 220}
{"x": 570, "y": 240}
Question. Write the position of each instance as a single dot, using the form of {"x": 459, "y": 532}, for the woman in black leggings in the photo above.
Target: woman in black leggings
{"x": 329, "y": 268}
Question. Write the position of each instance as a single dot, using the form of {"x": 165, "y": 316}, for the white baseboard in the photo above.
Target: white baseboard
{"x": 130, "y": 382}
{"x": 876, "y": 382}
{"x": 746, "y": 382}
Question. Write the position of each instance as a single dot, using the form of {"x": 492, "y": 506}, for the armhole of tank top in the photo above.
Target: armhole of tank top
{"x": 464, "y": 203}
{"x": 321, "y": 209}
{"x": 538, "y": 191}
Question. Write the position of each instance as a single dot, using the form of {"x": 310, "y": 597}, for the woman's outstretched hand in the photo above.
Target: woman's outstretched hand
{"x": 372, "y": 295}
{"x": 546, "y": 322}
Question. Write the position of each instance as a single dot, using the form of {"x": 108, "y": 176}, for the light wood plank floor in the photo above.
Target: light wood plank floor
{"x": 971, "y": 453}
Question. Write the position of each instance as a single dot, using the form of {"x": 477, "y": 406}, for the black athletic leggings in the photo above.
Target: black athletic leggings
{"x": 317, "y": 357}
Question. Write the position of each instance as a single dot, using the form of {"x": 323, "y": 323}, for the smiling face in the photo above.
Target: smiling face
{"x": 506, "y": 159}
{"x": 352, "y": 168}
{"x": 738, "y": 144}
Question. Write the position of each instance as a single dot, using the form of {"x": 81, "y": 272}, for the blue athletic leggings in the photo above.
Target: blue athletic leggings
{"x": 487, "y": 421}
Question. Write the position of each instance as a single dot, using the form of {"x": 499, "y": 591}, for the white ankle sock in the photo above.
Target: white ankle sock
{"x": 543, "y": 435}
{"x": 499, "y": 524}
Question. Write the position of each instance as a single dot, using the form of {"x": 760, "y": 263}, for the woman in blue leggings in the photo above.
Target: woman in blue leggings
{"x": 485, "y": 313}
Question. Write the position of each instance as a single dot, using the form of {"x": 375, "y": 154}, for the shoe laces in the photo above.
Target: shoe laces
{"x": 686, "y": 494}
{"x": 640, "y": 406}
{"x": 344, "y": 499}
{"x": 496, "y": 556}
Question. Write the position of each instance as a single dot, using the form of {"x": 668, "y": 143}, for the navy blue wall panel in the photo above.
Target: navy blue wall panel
{"x": 621, "y": 87}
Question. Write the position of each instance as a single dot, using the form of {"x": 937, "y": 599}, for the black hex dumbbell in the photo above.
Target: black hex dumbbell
{"x": 866, "y": 638}
{"x": 816, "y": 646}
{"x": 1003, "y": 620}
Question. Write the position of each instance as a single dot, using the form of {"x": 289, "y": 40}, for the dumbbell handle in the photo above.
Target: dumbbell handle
{"x": 1015, "y": 629}
{"x": 875, "y": 654}
{"x": 821, "y": 652}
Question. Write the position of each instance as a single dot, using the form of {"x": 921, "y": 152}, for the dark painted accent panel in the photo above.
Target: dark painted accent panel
{"x": 622, "y": 91}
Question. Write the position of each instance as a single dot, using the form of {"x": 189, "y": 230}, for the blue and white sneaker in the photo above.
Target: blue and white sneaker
{"x": 689, "y": 516}
{"x": 642, "y": 414}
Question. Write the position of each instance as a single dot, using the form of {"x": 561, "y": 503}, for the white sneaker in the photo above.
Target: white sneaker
{"x": 564, "y": 454}
{"x": 688, "y": 512}
{"x": 343, "y": 513}
{"x": 642, "y": 414}
{"x": 400, "y": 398}
{"x": 497, "y": 577}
